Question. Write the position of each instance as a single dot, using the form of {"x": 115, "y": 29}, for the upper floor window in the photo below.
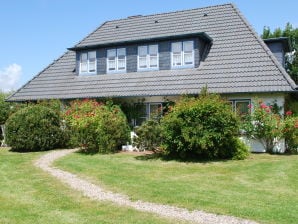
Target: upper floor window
{"x": 148, "y": 57}
{"x": 116, "y": 60}
{"x": 88, "y": 62}
{"x": 183, "y": 54}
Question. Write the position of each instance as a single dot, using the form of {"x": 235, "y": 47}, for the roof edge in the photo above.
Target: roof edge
{"x": 150, "y": 95}
{"x": 292, "y": 84}
{"x": 204, "y": 35}
{"x": 8, "y": 99}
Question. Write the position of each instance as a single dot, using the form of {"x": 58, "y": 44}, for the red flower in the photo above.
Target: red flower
{"x": 289, "y": 113}
{"x": 263, "y": 106}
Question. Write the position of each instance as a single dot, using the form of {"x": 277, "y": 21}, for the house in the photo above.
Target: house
{"x": 159, "y": 57}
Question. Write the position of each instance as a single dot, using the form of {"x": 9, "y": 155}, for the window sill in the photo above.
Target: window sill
{"x": 116, "y": 72}
{"x": 182, "y": 67}
{"x": 87, "y": 73}
{"x": 147, "y": 69}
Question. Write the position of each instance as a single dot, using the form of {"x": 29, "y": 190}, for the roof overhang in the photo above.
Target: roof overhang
{"x": 283, "y": 40}
{"x": 202, "y": 35}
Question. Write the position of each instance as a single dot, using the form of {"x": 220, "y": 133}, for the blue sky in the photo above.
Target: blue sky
{"x": 36, "y": 32}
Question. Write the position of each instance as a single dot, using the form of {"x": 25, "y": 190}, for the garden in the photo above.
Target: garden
{"x": 198, "y": 159}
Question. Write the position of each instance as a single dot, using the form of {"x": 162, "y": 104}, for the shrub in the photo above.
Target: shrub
{"x": 203, "y": 127}
{"x": 97, "y": 127}
{"x": 148, "y": 136}
{"x": 264, "y": 125}
{"x": 290, "y": 131}
{"x": 6, "y": 109}
{"x": 34, "y": 128}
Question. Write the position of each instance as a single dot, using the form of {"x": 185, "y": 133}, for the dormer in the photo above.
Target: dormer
{"x": 141, "y": 55}
{"x": 279, "y": 47}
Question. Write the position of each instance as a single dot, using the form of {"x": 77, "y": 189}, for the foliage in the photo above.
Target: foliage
{"x": 201, "y": 127}
{"x": 149, "y": 136}
{"x": 268, "y": 127}
{"x": 263, "y": 125}
{"x": 97, "y": 127}
{"x": 291, "y": 58}
{"x": 132, "y": 110}
{"x": 291, "y": 104}
{"x": 291, "y": 132}
{"x": 54, "y": 104}
{"x": 7, "y": 108}
{"x": 34, "y": 128}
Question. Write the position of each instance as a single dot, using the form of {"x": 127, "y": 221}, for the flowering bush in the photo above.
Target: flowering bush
{"x": 269, "y": 128}
{"x": 97, "y": 127}
{"x": 202, "y": 127}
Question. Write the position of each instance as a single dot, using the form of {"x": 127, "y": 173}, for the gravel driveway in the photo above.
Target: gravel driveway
{"x": 95, "y": 192}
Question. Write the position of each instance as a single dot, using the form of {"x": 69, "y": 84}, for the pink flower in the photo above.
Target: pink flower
{"x": 289, "y": 113}
{"x": 263, "y": 106}
{"x": 249, "y": 106}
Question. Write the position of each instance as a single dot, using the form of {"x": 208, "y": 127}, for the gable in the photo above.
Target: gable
{"x": 238, "y": 60}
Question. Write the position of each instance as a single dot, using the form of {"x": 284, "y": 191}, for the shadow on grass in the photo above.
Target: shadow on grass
{"x": 86, "y": 153}
{"x": 188, "y": 159}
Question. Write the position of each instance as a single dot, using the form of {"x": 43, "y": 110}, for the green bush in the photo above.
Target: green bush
{"x": 203, "y": 127}
{"x": 97, "y": 127}
{"x": 149, "y": 136}
{"x": 34, "y": 128}
{"x": 291, "y": 133}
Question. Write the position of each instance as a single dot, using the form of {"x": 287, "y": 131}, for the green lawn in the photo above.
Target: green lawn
{"x": 28, "y": 195}
{"x": 262, "y": 188}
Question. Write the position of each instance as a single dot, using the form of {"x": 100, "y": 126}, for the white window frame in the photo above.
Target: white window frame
{"x": 116, "y": 60}
{"x": 148, "y": 57}
{"x": 235, "y": 101}
{"x": 182, "y": 54}
{"x": 88, "y": 72}
{"x": 148, "y": 112}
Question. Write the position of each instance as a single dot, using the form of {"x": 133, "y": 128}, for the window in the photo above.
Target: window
{"x": 241, "y": 107}
{"x": 183, "y": 54}
{"x": 88, "y": 62}
{"x": 116, "y": 60}
{"x": 145, "y": 111}
{"x": 148, "y": 57}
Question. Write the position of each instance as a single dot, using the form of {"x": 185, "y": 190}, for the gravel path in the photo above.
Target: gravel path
{"x": 97, "y": 193}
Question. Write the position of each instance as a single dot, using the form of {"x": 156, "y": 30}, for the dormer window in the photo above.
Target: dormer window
{"x": 183, "y": 54}
{"x": 88, "y": 62}
{"x": 148, "y": 57}
{"x": 116, "y": 60}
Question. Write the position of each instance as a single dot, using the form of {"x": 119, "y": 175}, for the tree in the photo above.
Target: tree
{"x": 4, "y": 108}
{"x": 291, "y": 57}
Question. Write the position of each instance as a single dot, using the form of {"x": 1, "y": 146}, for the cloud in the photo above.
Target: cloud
{"x": 10, "y": 77}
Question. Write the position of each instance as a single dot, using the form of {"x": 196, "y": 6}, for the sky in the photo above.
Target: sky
{"x": 36, "y": 32}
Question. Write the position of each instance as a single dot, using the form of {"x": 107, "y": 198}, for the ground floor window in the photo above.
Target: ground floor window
{"x": 241, "y": 106}
{"x": 147, "y": 111}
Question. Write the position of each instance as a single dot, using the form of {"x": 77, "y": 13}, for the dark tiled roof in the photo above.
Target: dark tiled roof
{"x": 238, "y": 60}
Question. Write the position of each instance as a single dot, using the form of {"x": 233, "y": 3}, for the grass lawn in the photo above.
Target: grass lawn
{"x": 262, "y": 188}
{"x": 28, "y": 195}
